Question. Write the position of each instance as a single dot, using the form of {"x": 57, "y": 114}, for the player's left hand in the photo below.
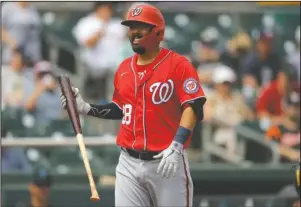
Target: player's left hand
{"x": 170, "y": 158}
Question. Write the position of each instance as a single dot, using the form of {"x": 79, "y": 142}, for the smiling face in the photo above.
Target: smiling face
{"x": 138, "y": 30}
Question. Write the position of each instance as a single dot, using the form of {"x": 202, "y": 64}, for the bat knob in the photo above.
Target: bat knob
{"x": 94, "y": 198}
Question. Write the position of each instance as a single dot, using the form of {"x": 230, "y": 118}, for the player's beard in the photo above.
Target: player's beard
{"x": 136, "y": 47}
{"x": 139, "y": 50}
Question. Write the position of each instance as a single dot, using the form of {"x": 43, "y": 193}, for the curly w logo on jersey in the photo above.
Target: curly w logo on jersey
{"x": 162, "y": 92}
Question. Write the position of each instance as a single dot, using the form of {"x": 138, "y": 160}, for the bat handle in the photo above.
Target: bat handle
{"x": 80, "y": 139}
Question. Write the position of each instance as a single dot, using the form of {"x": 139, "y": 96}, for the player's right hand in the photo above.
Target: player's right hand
{"x": 81, "y": 106}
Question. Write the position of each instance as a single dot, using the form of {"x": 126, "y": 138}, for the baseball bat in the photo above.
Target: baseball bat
{"x": 65, "y": 85}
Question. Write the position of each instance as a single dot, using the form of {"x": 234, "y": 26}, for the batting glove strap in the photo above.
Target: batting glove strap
{"x": 85, "y": 108}
{"x": 177, "y": 146}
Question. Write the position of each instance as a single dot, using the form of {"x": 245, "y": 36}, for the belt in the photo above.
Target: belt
{"x": 141, "y": 155}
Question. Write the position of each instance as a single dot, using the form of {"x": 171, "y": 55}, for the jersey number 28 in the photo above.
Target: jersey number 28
{"x": 127, "y": 111}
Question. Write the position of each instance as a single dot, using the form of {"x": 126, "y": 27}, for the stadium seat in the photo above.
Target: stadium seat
{"x": 62, "y": 126}
{"x": 109, "y": 154}
{"x": 64, "y": 24}
{"x": 255, "y": 149}
{"x": 12, "y": 121}
{"x": 36, "y": 157}
{"x": 68, "y": 159}
{"x": 253, "y": 125}
{"x": 38, "y": 130}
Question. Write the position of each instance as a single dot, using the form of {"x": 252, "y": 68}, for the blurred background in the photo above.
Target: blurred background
{"x": 247, "y": 55}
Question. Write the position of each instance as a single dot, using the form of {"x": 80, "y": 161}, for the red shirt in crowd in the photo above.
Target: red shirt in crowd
{"x": 270, "y": 100}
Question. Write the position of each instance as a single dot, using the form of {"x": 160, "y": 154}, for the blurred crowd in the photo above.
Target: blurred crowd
{"x": 252, "y": 83}
{"x": 28, "y": 82}
{"x": 246, "y": 81}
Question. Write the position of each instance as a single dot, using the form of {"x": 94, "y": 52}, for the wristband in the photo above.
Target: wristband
{"x": 182, "y": 135}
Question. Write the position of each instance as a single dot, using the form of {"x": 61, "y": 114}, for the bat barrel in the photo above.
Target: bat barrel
{"x": 66, "y": 89}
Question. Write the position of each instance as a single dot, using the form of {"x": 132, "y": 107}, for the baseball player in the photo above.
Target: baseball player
{"x": 158, "y": 97}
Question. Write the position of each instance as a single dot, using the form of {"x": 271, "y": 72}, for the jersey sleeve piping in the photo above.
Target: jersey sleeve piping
{"x": 192, "y": 99}
{"x": 117, "y": 105}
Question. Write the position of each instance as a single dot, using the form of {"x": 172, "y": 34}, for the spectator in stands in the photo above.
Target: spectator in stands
{"x": 237, "y": 49}
{"x": 208, "y": 52}
{"x": 98, "y": 34}
{"x": 206, "y": 75}
{"x": 21, "y": 27}
{"x": 43, "y": 95}
{"x": 225, "y": 108}
{"x": 208, "y": 56}
{"x": 260, "y": 66}
{"x": 13, "y": 159}
{"x": 270, "y": 104}
{"x": 39, "y": 188}
{"x": 294, "y": 58}
{"x": 15, "y": 77}
{"x": 287, "y": 133}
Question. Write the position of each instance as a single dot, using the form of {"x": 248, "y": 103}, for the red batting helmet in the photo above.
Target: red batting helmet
{"x": 148, "y": 14}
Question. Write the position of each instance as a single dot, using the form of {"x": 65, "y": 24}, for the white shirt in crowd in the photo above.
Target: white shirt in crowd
{"x": 24, "y": 26}
{"x": 13, "y": 86}
{"x": 294, "y": 59}
{"x": 104, "y": 56}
